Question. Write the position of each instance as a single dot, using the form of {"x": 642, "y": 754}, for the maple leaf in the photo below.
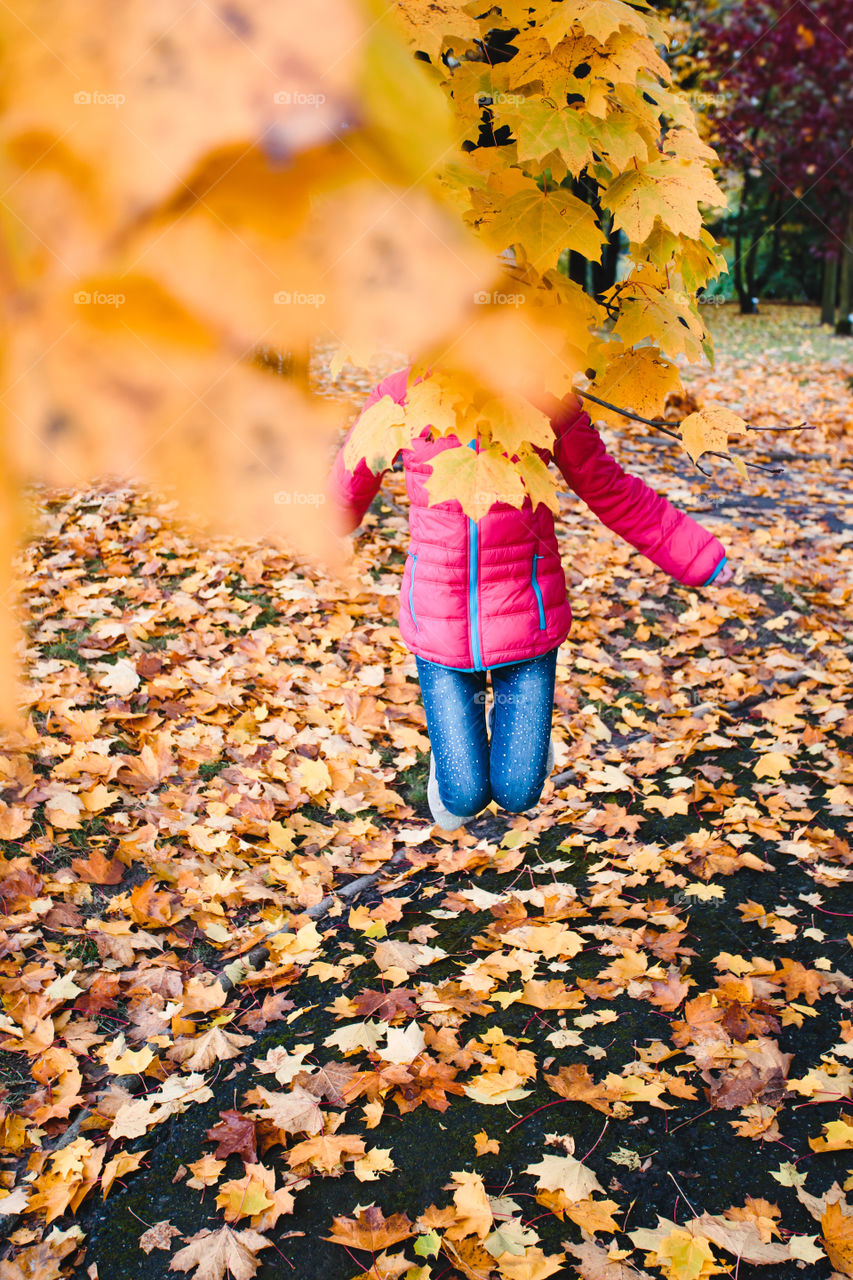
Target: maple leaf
{"x": 758, "y": 1211}
{"x": 759, "y": 1077}
{"x": 530, "y": 1264}
{"x": 98, "y": 869}
{"x": 551, "y": 994}
{"x": 205, "y": 1171}
{"x": 160, "y": 1236}
{"x": 215, "y": 1045}
{"x": 711, "y": 429}
{"x": 743, "y": 1239}
{"x": 477, "y": 479}
{"x": 381, "y": 431}
{"x": 544, "y": 224}
{"x": 425, "y": 1080}
{"x": 799, "y": 981}
{"x": 329, "y": 1081}
{"x": 408, "y": 956}
{"x": 369, "y": 1167}
{"x": 597, "y": 1265}
{"x": 371, "y": 1230}
{"x": 837, "y": 1237}
{"x": 676, "y": 1250}
{"x": 666, "y": 189}
{"x": 151, "y": 767}
{"x": 249, "y": 1196}
{"x": 483, "y": 1144}
{"x": 566, "y": 1174}
{"x": 577, "y": 1085}
{"x": 837, "y": 1136}
{"x": 118, "y": 1166}
{"x": 403, "y": 1044}
{"x": 327, "y": 1152}
{"x": 386, "y": 1005}
{"x": 473, "y": 1211}
{"x": 179, "y": 1092}
{"x": 639, "y": 380}
{"x": 234, "y": 1134}
{"x": 593, "y": 1215}
{"x": 214, "y": 1253}
{"x": 293, "y": 1112}
{"x": 360, "y": 1035}
{"x": 492, "y": 1087}
{"x": 122, "y": 1061}
{"x": 270, "y": 1010}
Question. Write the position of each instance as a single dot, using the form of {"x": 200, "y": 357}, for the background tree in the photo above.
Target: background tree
{"x": 776, "y": 82}
{"x": 571, "y": 134}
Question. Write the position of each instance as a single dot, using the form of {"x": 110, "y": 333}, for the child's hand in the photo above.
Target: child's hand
{"x": 725, "y": 575}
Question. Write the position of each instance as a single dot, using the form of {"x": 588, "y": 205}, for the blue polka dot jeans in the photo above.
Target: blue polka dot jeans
{"x": 511, "y": 768}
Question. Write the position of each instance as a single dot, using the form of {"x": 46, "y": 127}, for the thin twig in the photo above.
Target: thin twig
{"x": 681, "y": 1193}
{"x": 663, "y": 425}
{"x": 660, "y": 423}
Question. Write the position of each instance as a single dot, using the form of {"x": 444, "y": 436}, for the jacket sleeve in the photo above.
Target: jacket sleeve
{"x": 670, "y": 538}
{"x": 351, "y": 492}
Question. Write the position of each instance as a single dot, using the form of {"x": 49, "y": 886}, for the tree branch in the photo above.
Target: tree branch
{"x": 662, "y": 424}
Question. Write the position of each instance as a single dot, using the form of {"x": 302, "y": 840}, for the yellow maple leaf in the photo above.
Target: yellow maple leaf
{"x": 247, "y": 1196}
{"x": 473, "y": 1212}
{"x": 433, "y": 402}
{"x": 378, "y": 434}
{"x": 771, "y": 764}
{"x": 377, "y": 1160}
{"x": 668, "y": 806}
{"x": 477, "y": 479}
{"x": 496, "y": 1087}
{"x": 837, "y": 1237}
{"x": 670, "y": 189}
{"x": 205, "y": 1171}
{"x": 125, "y": 1162}
{"x": 543, "y": 224}
{"x": 639, "y": 380}
{"x": 531, "y": 1264}
{"x": 837, "y": 1136}
{"x": 484, "y": 1144}
{"x": 710, "y": 430}
{"x": 538, "y": 481}
{"x": 594, "y": 1215}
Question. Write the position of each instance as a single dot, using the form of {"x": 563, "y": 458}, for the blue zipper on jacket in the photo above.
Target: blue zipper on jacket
{"x": 473, "y": 605}
{"x": 412, "y": 592}
{"x": 538, "y": 592}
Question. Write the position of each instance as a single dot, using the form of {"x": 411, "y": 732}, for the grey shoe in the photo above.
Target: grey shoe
{"x": 549, "y": 763}
{"x": 441, "y": 816}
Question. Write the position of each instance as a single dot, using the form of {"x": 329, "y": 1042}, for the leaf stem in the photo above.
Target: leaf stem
{"x": 533, "y": 1113}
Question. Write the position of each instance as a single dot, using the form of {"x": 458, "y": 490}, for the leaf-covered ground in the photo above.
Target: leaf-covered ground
{"x": 609, "y": 1038}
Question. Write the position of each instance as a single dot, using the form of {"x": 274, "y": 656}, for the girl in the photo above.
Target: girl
{"x": 490, "y": 596}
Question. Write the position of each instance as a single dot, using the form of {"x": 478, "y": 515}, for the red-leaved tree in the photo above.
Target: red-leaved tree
{"x": 779, "y": 76}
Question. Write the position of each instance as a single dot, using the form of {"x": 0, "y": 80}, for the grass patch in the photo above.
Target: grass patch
{"x": 212, "y": 768}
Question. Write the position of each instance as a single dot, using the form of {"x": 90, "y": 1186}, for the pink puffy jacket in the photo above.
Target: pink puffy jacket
{"x": 485, "y": 593}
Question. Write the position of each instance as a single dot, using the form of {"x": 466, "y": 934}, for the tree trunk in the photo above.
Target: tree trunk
{"x": 743, "y": 285}
{"x": 830, "y": 288}
{"x": 845, "y": 292}
{"x": 604, "y": 273}
{"x": 578, "y": 268}
{"x": 740, "y": 286}
{"x": 773, "y": 215}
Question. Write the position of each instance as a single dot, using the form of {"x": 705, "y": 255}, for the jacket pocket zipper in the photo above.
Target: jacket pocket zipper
{"x": 538, "y": 592}
{"x": 412, "y": 593}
